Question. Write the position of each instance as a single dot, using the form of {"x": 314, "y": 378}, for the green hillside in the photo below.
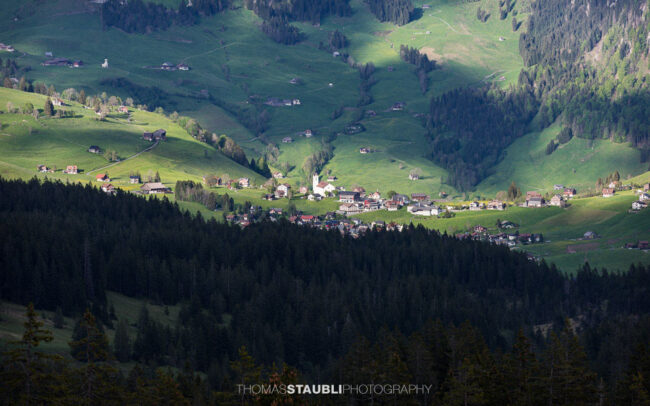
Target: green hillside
{"x": 26, "y": 142}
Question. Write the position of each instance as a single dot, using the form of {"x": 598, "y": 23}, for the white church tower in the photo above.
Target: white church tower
{"x": 315, "y": 182}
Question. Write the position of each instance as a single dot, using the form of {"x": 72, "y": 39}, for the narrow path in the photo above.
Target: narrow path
{"x": 448, "y": 25}
{"x": 149, "y": 148}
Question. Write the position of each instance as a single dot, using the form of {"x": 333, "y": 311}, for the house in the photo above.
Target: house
{"x": 182, "y": 66}
{"x": 414, "y": 176}
{"x": 154, "y": 188}
{"x": 42, "y": 168}
{"x": 282, "y": 190}
{"x": 335, "y": 54}
{"x": 639, "y": 205}
{"x": 77, "y": 64}
{"x": 608, "y": 192}
{"x": 312, "y": 197}
{"x": 57, "y": 101}
{"x": 275, "y": 211}
{"x": 167, "y": 66}
{"x": 496, "y": 205}
{"x": 159, "y": 134}
{"x": 303, "y": 190}
{"x": 294, "y": 81}
{"x": 401, "y": 199}
{"x": 646, "y": 187}
{"x": 531, "y": 194}
{"x": 398, "y": 106}
{"x": 332, "y": 178}
{"x": 479, "y": 229}
{"x": 147, "y": 136}
{"x": 558, "y": 187}
{"x": 295, "y": 102}
{"x": 123, "y": 109}
{"x": 108, "y": 188}
{"x": 476, "y": 206}
{"x": 135, "y": 179}
{"x": 590, "y": 235}
{"x": 94, "y": 149}
{"x": 278, "y": 175}
{"x": 57, "y": 62}
{"x": 287, "y": 140}
{"x": 568, "y": 192}
{"x": 71, "y": 170}
{"x": 348, "y": 197}
{"x": 558, "y": 201}
{"x": 643, "y": 245}
{"x": 8, "y": 48}
{"x": 419, "y": 197}
{"x": 613, "y": 184}
{"x": 360, "y": 190}
{"x": 269, "y": 196}
{"x": 535, "y": 202}
{"x": 644, "y": 196}
{"x": 102, "y": 177}
{"x": 391, "y": 205}
{"x": 375, "y": 196}
{"x": 421, "y": 209}
{"x": 307, "y": 133}
{"x": 371, "y": 205}
{"x": 350, "y": 208}
{"x": 244, "y": 182}
{"x": 364, "y": 150}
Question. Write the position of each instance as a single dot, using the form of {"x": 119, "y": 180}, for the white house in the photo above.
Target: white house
{"x": 639, "y": 205}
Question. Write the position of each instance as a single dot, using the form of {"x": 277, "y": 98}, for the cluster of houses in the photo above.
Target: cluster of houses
{"x": 535, "y": 199}
{"x": 158, "y": 135}
{"x": 277, "y": 102}
{"x": 168, "y": 66}
{"x": 480, "y": 233}
{"x": 644, "y": 197}
{"x": 639, "y": 245}
{"x": 5, "y": 47}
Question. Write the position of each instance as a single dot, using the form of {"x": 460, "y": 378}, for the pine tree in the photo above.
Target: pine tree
{"x": 122, "y": 342}
{"x": 522, "y": 370}
{"x": 82, "y": 96}
{"x": 49, "y": 108}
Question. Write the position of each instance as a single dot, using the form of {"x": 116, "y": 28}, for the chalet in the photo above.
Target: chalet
{"x": 371, "y": 205}
{"x": 375, "y": 196}
{"x": 360, "y": 190}
{"x": 135, "y": 179}
{"x": 157, "y": 135}
{"x": 57, "y": 101}
{"x": 590, "y": 235}
{"x": 391, "y": 205}
{"x": 278, "y": 175}
{"x": 295, "y": 102}
{"x": 414, "y": 176}
{"x": 350, "y": 208}
{"x": 479, "y": 229}
{"x": 421, "y": 209}
{"x": 154, "y": 188}
{"x": 307, "y": 218}
{"x": 348, "y": 197}
{"x": 558, "y": 201}
{"x": 474, "y": 206}
{"x": 496, "y": 205}
{"x": 8, "y": 48}
{"x": 269, "y": 196}
{"x": 287, "y": 140}
{"x": 102, "y": 177}
{"x": 335, "y": 54}
{"x": 282, "y": 190}
{"x": 57, "y": 62}
{"x": 303, "y": 190}
{"x": 401, "y": 199}
{"x": 378, "y": 225}
{"x": 307, "y": 133}
{"x": 558, "y": 187}
{"x": 613, "y": 184}
{"x": 646, "y": 187}
{"x": 77, "y": 64}
{"x": 108, "y": 188}
{"x": 244, "y": 182}
{"x": 644, "y": 196}
{"x": 332, "y": 178}
{"x": 183, "y": 66}
{"x": 536, "y": 201}
{"x": 71, "y": 170}
{"x": 639, "y": 205}
{"x": 419, "y": 197}
{"x": 275, "y": 211}
{"x": 42, "y": 168}
{"x": 123, "y": 109}
{"x": 94, "y": 149}
{"x": 398, "y": 106}
{"x": 568, "y": 192}
{"x": 442, "y": 194}
{"x": 531, "y": 194}
{"x": 364, "y": 150}
{"x": 608, "y": 192}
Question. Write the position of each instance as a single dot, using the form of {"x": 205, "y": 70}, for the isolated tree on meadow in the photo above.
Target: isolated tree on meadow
{"x": 49, "y": 108}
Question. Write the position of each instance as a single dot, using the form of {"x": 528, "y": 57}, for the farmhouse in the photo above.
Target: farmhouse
{"x": 558, "y": 201}
{"x": 282, "y": 190}
{"x": 57, "y": 102}
{"x": 608, "y": 192}
{"x": 303, "y": 189}
{"x": 102, "y": 177}
{"x": 350, "y": 208}
{"x": 244, "y": 182}
{"x": 364, "y": 150}
{"x": 57, "y": 62}
{"x": 42, "y": 168}
{"x": 182, "y": 66}
{"x": 135, "y": 179}
{"x": 644, "y": 196}
{"x": 360, "y": 190}
{"x": 568, "y": 192}
{"x": 421, "y": 209}
{"x": 307, "y": 133}
{"x": 278, "y": 175}
{"x": 7, "y": 48}
{"x": 348, "y": 197}
{"x": 535, "y": 202}
{"x": 419, "y": 197}
{"x": 157, "y": 135}
{"x": 398, "y": 106}
{"x": 376, "y": 195}
{"x": 123, "y": 109}
{"x": 558, "y": 187}
{"x": 646, "y": 187}
{"x": 154, "y": 188}
{"x": 414, "y": 176}
{"x": 71, "y": 170}
{"x": 287, "y": 140}
{"x": 496, "y": 205}
{"x": 476, "y": 206}
{"x": 332, "y": 178}
{"x": 94, "y": 149}
{"x": 110, "y": 189}
{"x": 639, "y": 205}
{"x": 391, "y": 205}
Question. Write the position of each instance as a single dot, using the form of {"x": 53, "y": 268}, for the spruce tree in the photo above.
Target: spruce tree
{"x": 49, "y": 108}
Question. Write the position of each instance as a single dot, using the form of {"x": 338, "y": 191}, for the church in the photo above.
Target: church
{"x": 322, "y": 188}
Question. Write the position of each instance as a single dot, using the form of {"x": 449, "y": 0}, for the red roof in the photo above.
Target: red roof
{"x": 101, "y": 176}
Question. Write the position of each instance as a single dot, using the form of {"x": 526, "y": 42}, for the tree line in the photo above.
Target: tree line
{"x": 398, "y": 12}
{"x": 290, "y": 294}
{"x": 138, "y": 16}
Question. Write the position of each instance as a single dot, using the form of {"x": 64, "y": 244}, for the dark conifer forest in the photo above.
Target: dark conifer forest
{"x": 411, "y": 306}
